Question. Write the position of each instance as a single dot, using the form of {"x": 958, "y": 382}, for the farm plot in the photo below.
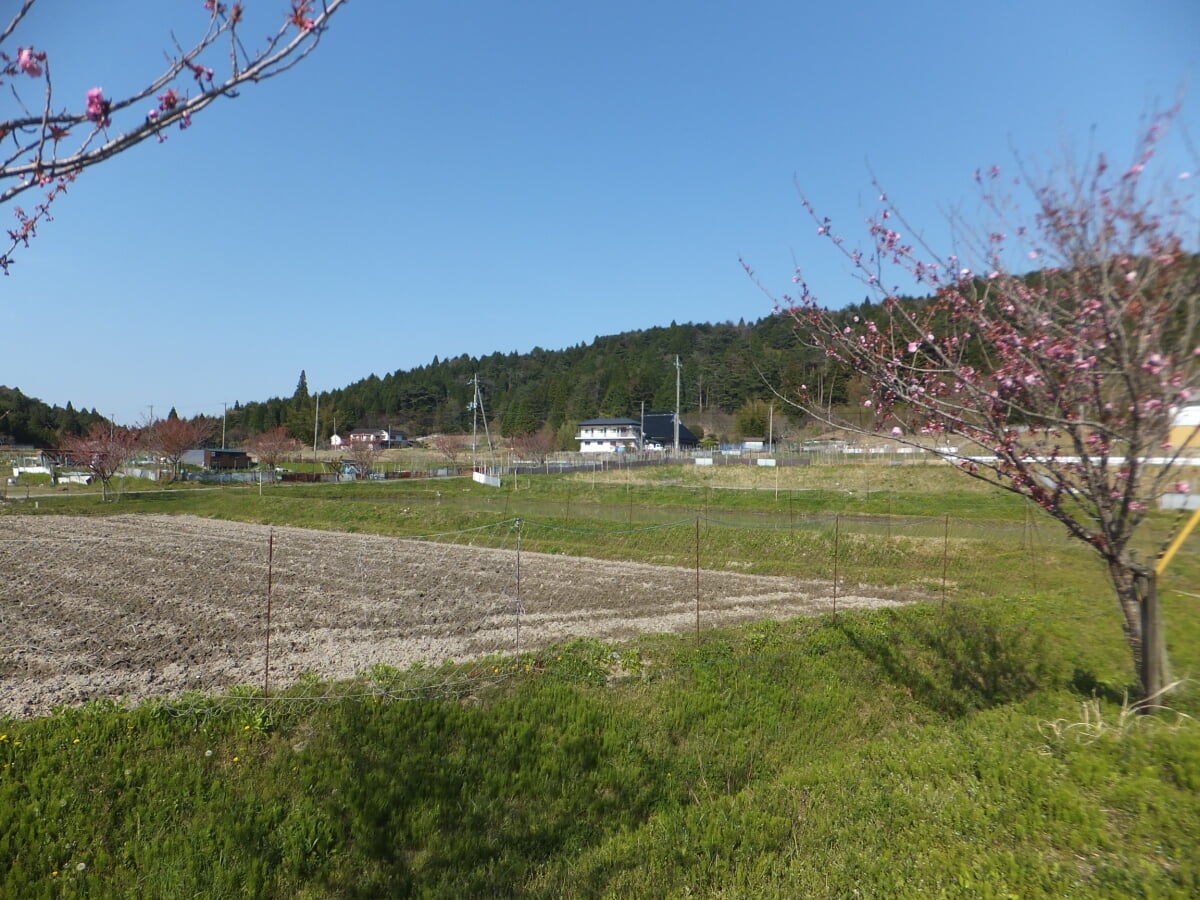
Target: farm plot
{"x": 139, "y": 606}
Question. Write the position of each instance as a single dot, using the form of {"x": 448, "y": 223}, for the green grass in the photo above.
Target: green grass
{"x": 902, "y": 753}
{"x": 975, "y": 748}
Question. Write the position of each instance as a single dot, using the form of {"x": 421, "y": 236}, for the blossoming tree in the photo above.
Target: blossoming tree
{"x": 48, "y": 143}
{"x": 271, "y": 446}
{"x": 1061, "y": 381}
{"x": 102, "y": 451}
{"x": 171, "y": 438}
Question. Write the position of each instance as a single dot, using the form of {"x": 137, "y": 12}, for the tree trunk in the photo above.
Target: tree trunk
{"x": 1137, "y": 594}
{"x": 1153, "y": 672}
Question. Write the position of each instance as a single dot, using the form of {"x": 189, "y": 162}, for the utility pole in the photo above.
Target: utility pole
{"x": 316, "y": 423}
{"x": 224, "y": 416}
{"x": 678, "y": 370}
{"x": 474, "y": 407}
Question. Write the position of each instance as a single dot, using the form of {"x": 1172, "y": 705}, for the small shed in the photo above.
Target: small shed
{"x": 218, "y": 460}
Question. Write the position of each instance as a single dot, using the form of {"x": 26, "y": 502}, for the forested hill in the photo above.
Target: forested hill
{"x": 724, "y": 367}
{"x": 28, "y": 421}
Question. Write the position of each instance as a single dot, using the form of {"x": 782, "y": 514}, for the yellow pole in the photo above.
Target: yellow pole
{"x": 1169, "y": 553}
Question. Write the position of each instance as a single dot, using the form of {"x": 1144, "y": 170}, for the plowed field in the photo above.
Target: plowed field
{"x": 138, "y": 606}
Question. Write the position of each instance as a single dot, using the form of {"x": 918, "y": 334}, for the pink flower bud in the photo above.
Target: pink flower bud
{"x": 29, "y": 61}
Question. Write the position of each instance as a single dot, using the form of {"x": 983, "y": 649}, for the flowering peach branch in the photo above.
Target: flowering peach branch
{"x": 41, "y": 154}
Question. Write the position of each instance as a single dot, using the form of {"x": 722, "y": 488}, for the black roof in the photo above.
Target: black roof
{"x": 659, "y": 427}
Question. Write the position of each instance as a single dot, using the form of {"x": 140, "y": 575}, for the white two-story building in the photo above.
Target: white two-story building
{"x": 609, "y": 435}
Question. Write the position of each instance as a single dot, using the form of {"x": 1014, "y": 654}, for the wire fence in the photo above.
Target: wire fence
{"x": 139, "y": 606}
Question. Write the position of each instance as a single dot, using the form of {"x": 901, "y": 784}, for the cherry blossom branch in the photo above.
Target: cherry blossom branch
{"x": 36, "y": 160}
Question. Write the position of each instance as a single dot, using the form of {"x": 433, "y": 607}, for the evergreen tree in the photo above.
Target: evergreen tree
{"x": 519, "y": 419}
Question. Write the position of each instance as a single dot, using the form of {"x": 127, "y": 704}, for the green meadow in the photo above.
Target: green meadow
{"x": 976, "y": 744}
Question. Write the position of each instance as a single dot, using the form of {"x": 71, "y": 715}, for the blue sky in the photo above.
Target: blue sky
{"x": 467, "y": 177}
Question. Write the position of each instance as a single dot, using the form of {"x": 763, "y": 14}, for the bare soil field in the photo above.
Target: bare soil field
{"x": 138, "y": 606}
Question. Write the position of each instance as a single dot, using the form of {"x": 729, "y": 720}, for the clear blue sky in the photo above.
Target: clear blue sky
{"x": 466, "y": 177}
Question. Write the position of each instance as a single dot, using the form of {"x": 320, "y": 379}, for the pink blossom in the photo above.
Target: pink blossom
{"x": 301, "y": 15}
{"x": 913, "y": 346}
{"x": 896, "y": 431}
{"x": 1130, "y": 277}
{"x": 867, "y": 404}
{"x": 1183, "y": 488}
{"x": 29, "y": 61}
{"x": 97, "y": 107}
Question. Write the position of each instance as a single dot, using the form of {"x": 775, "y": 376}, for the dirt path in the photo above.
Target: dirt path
{"x": 138, "y": 606}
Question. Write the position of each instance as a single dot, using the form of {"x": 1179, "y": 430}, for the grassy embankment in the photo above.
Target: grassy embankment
{"x": 972, "y": 749}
